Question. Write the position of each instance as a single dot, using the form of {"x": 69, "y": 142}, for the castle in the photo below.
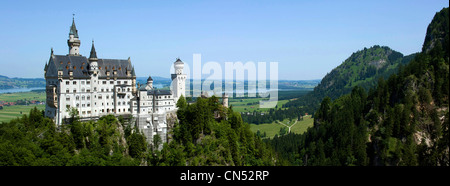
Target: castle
{"x": 97, "y": 87}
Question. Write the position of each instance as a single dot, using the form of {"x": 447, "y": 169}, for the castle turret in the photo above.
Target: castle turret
{"x": 149, "y": 83}
{"x": 93, "y": 65}
{"x": 225, "y": 100}
{"x": 73, "y": 41}
{"x": 178, "y": 80}
{"x": 133, "y": 81}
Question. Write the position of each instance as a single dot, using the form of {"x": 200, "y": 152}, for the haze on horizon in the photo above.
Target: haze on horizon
{"x": 307, "y": 38}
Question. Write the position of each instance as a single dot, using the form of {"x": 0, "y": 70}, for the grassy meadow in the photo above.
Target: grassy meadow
{"x": 11, "y": 112}
{"x": 274, "y": 128}
{"x": 251, "y": 104}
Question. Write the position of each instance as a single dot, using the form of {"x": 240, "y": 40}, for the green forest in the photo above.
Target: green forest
{"x": 404, "y": 120}
{"x": 207, "y": 134}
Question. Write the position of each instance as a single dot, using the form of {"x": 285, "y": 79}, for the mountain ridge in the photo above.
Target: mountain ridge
{"x": 362, "y": 68}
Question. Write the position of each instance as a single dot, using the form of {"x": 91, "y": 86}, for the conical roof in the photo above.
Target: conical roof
{"x": 93, "y": 55}
{"x": 73, "y": 29}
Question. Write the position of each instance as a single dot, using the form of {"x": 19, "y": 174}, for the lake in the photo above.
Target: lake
{"x": 13, "y": 90}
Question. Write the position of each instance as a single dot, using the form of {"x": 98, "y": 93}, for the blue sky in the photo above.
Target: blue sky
{"x": 306, "y": 38}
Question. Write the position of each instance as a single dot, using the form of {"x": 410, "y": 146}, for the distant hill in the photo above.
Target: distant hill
{"x": 363, "y": 68}
{"x": 9, "y": 83}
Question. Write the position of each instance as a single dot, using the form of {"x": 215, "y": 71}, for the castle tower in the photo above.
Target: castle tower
{"x": 73, "y": 41}
{"x": 225, "y": 100}
{"x": 149, "y": 83}
{"x": 178, "y": 80}
{"x": 93, "y": 65}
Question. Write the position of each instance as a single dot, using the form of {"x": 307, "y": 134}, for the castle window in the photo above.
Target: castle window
{"x": 111, "y": 82}
{"x": 74, "y": 67}
{"x": 118, "y": 82}
{"x": 67, "y": 98}
{"x": 88, "y": 97}
{"x": 67, "y": 82}
{"x": 74, "y": 90}
{"x": 74, "y": 82}
{"x": 104, "y": 82}
{"x": 77, "y": 98}
{"x": 67, "y": 90}
{"x": 88, "y": 82}
{"x": 83, "y": 97}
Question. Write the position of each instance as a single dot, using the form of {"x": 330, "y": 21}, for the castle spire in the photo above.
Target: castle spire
{"x": 73, "y": 28}
{"x": 93, "y": 55}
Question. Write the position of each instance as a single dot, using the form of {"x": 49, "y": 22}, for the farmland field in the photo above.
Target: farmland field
{"x": 11, "y": 112}
{"x": 251, "y": 104}
{"x": 14, "y": 111}
{"x": 271, "y": 129}
{"x": 33, "y": 95}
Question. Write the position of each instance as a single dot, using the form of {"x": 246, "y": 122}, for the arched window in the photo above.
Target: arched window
{"x": 77, "y": 98}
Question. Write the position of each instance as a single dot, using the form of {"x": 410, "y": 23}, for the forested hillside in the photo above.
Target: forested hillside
{"x": 404, "y": 120}
{"x": 210, "y": 134}
{"x": 8, "y": 83}
{"x": 207, "y": 134}
{"x": 363, "y": 68}
{"x": 35, "y": 141}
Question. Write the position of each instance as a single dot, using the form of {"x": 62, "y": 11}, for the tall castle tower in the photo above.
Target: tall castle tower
{"x": 178, "y": 80}
{"x": 73, "y": 41}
